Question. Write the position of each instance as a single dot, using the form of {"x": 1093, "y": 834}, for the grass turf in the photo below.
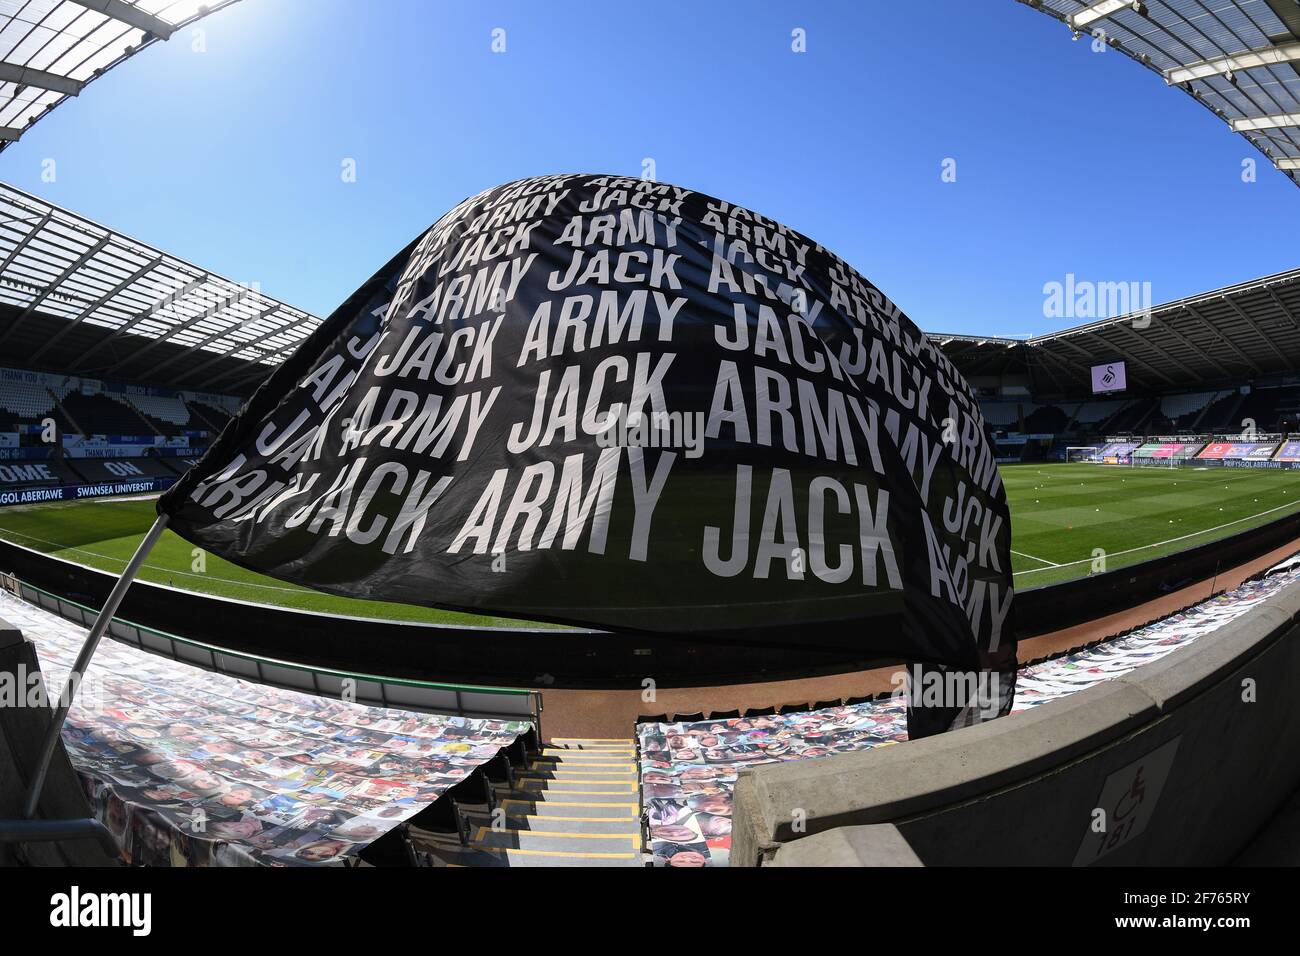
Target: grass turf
{"x": 1060, "y": 513}
{"x": 105, "y": 533}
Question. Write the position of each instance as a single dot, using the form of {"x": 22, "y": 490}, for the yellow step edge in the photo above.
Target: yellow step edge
{"x": 592, "y": 758}
{"x": 561, "y": 835}
{"x": 532, "y": 783}
{"x": 610, "y": 775}
{"x": 590, "y": 754}
{"x": 592, "y": 793}
{"x": 556, "y": 853}
{"x": 570, "y": 803}
{"x": 630, "y": 818}
{"x": 591, "y": 740}
{"x": 575, "y": 771}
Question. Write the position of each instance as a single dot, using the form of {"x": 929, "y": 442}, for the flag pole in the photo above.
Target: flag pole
{"x": 73, "y": 681}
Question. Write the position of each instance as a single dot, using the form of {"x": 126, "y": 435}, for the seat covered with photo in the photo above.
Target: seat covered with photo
{"x": 63, "y": 833}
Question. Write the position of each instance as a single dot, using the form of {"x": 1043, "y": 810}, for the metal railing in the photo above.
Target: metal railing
{"x": 435, "y": 697}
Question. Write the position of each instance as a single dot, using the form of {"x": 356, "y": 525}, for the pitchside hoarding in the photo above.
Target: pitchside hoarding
{"x": 610, "y": 402}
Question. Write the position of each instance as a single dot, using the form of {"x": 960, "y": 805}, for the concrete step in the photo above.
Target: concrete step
{"x": 593, "y": 785}
{"x": 595, "y": 765}
{"x": 576, "y": 822}
{"x": 589, "y": 795}
{"x": 559, "y": 846}
{"x": 592, "y": 743}
{"x": 529, "y": 857}
{"x": 576, "y": 807}
{"x": 584, "y": 774}
{"x": 556, "y": 841}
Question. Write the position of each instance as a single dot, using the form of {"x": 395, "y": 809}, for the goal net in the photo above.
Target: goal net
{"x": 1076, "y": 453}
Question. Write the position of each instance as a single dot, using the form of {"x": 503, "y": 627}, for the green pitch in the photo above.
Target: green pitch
{"x": 1059, "y": 515}
{"x": 105, "y": 533}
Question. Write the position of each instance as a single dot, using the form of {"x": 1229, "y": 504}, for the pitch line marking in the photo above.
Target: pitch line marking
{"x": 1034, "y": 558}
{"x": 1158, "y": 544}
{"x": 155, "y": 567}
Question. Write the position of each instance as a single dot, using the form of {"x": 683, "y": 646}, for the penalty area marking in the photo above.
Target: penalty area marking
{"x": 1158, "y": 544}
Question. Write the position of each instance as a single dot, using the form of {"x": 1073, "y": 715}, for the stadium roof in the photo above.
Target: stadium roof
{"x": 1238, "y": 58}
{"x": 50, "y": 49}
{"x": 78, "y": 298}
{"x": 1244, "y": 332}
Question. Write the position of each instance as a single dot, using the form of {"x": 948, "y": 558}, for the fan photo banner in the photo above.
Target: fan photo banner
{"x": 617, "y": 403}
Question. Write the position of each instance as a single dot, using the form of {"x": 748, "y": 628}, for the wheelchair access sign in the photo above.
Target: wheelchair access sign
{"x": 1128, "y": 800}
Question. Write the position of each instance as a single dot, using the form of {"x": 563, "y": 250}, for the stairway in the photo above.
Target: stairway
{"x": 577, "y": 803}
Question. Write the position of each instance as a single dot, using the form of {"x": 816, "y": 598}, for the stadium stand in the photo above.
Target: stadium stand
{"x": 1117, "y": 449}
{"x": 101, "y": 414}
{"x": 155, "y": 741}
{"x": 206, "y": 416}
{"x": 1046, "y": 418}
{"x": 1222, "y": 413}
{"x": 23, "y": 404}
{"x": 1157, "y": 716}
{"x": 1165, "y": 450}
{"x": 104, "y": 433}
{"x": 17, "y": 475}
{"x": 689, "y": 770}
{"x": 1091, "y": 414}
{"x": 99, "y": 470}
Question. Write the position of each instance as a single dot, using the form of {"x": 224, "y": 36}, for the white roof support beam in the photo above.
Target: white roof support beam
{"x": 251, "y": 343}
{"x": 197, "y": 347}
{"x": 21, "y": 244}
{"x": 1254, "y": 327}
{"x": 53, "y": 285}
{"x": 237, "y": 296}
{"x": 1102, "y": 10}
{"x": 1277, "y": 121}
{"x": 1220, "y": 66}
{"x": 90, "y": 308}
{"x": 130, "y": 15}
{"x": 1288, "y": 163}
{"x": 154, "y": 309}
{"x": 1214, "y": 330}
{"x": 27, "y": 76}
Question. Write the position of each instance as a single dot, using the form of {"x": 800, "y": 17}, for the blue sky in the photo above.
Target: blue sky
{"x": 1068, "y": 161}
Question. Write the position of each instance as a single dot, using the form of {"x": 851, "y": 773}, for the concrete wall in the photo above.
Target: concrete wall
{"x": 1186, "y": 770}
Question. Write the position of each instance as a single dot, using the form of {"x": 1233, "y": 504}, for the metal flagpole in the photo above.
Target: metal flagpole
{"x": 79, "y": 668}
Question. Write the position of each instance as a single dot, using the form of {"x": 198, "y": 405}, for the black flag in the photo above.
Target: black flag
{"x": 604, "y": 401}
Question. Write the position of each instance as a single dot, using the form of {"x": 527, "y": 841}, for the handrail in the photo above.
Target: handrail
{"x": 533, "y": 697}
{"x": 291, "y": 665}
